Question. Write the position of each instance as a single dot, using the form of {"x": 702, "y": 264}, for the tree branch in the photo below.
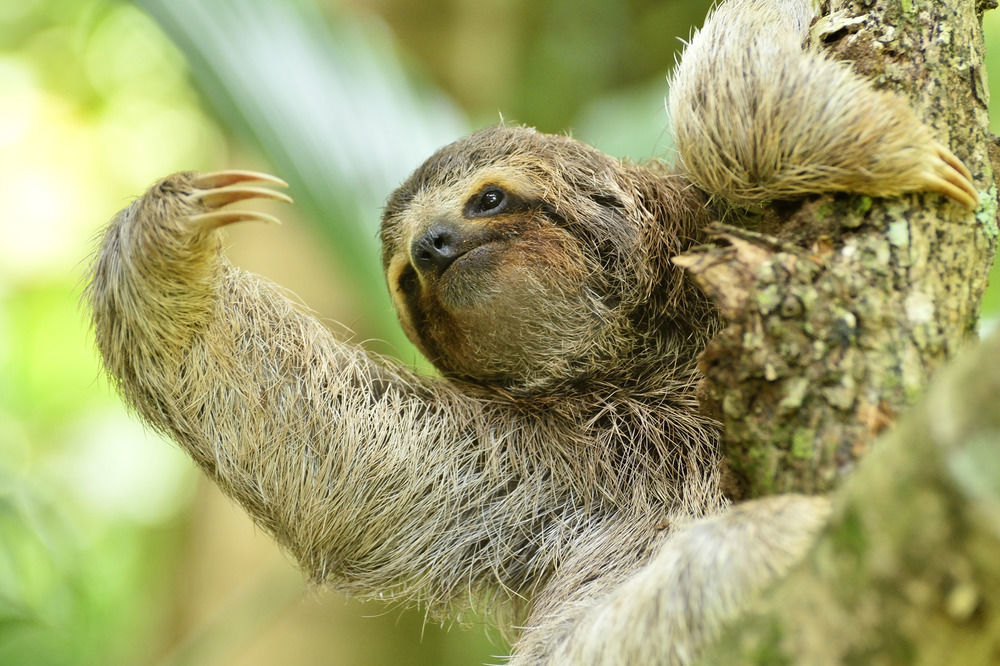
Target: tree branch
{"x": 907, "y": 570}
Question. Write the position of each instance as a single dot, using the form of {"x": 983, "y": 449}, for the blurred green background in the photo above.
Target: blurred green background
{"x": 113, "y": 550}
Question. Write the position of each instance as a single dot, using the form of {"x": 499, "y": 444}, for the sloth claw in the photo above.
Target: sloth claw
{"x": 221, "y": 218}
{"x": 950, "y": 177}
{"x": 230, "y": 177}
{"x": 221, "y": 196}
{"x": 214, "y": 190}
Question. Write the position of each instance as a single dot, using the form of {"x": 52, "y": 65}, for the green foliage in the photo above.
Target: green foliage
{"x": 75, "y": 587}
{"x": 43, "y": 369}
{"x": 87, "y": 537}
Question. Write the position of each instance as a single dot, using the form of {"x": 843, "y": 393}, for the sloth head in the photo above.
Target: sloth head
{"x": 525, "y": 260}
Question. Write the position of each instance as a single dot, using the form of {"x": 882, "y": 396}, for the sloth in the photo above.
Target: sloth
{"x": 558, "y": 472}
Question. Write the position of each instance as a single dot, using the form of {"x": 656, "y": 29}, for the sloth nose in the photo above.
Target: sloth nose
{"x": 435, "y": 249}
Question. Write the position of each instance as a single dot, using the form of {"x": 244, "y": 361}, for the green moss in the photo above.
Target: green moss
{"x": 892, "y": 646}
{"x": 768, "y": 299}
{"x": 759, "y": 465}
{"x": 863, "y": 205}
{"x": 913, "y": 392}
{"x": 768, "y": 650}
{"x": 891, "y": 380}
{"x": 794, "y": 395}
{"x": 986, "y": 213}
{"x": 732, "y": 405}
{"x": 848, "y": 535}
{"x": 802, "y": 443}
{"x": 808, "y": 296}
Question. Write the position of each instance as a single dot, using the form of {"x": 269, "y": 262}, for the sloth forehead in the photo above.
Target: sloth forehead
{"x": 569, "y": 180}
{"x": 528, "y": 161}
{"x": 451, "y": 197}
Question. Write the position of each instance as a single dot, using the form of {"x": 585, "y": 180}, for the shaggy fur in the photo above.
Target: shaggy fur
{"x": 758, "y": 118}
{"x": 559, "y": 473}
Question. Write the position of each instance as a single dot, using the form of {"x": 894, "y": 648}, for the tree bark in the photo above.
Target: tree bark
{"x": 908, "y": 572}
{"x": 839, "y": 316}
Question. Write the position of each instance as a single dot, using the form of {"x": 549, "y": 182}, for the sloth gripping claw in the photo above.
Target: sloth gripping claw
{"x": 949, "y": 176}
{"x": 214, "y": 190}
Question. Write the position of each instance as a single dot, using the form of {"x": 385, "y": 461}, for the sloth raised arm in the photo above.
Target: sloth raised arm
{"x": 327, "y": 448}
{"x": 534, "y": 285}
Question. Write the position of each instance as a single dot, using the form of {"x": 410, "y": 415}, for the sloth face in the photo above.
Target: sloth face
{"x": 493, "y": 256}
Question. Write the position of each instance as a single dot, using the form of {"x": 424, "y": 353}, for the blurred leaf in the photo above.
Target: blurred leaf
{"x": 14, "y": 615}
{"x": 577, "y": 53}
{"x": 49, "y": 367}
{"x": 330, "y": 105}
{"x": 74, "y": 589}
{"x": 631, "y": 123}
{"x": 35, "y": 593}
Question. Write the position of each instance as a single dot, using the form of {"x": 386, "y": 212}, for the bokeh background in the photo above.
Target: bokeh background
{"x": 113, "y": 550}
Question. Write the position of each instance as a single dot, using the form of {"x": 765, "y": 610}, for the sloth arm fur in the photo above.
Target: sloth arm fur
{"x": 758, "y": 115}
{"x": 336, "y": 454}
{"x": 333, "y": 451}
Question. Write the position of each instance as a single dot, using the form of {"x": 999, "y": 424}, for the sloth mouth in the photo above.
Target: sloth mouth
{"x": 470, "y": 280}
{"x": 462, "y": 272}
{"x": 462, "y": 259}
{"x": 443, "y": 246}
{"x": 454, "y": 259}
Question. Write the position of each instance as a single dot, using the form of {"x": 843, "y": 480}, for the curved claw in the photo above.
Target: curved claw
{"x": 947, "y": 188}
{"x": 953, "y": 179}
{"x": 223, "y": 178}
{"x": 221, "y": 196}
{"x": 221, "y": 218}
{"x": 952, "y": 161}
{"x": 216, "y": 189}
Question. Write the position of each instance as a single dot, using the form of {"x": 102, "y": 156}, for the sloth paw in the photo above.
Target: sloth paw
{"x": 212, "y": 191}
{"x": 944, "y": 173}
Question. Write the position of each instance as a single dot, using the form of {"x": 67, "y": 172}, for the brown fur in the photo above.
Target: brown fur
{"x": 560, "y": 473}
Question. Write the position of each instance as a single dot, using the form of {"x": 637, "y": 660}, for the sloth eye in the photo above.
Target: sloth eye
{"x": 491, "y": 201}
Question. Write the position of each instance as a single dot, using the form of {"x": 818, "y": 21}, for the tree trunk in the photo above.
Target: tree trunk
{"x": 908, "y": 572}
{"x": 837, "y": 321}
